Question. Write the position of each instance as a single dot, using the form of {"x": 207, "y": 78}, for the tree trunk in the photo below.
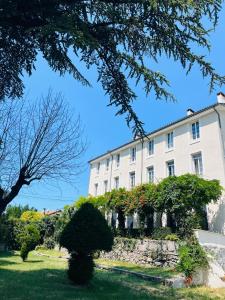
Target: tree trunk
{"x": 6, "y": 198}
{"x": 158, "y": 220}
{"x": 121, "y": 221}
{"x": 150, "y": 222}
{"x": 3, "y": 206}
{"x": 170, "y": 222}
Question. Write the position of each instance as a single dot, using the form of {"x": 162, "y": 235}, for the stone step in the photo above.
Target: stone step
{"x": 175, "y": 282}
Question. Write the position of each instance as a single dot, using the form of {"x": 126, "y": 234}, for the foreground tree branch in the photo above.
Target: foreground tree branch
{"x": 40, "y": 141}
{"x": 119, "y": 38}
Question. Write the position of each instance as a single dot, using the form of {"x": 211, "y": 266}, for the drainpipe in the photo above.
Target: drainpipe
{"x": 221, "y": 134}
{"x": 142, "y": 147}
{"x": 110, "y": 175}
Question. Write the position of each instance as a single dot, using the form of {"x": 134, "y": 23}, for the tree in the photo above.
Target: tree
{"x": 119, "y": 38}
{"x": 86, "y": 233}
{"x": 185, "y": 198}
{"x": 28, "y": 239}
{"x": 142, "y": 200}
{"x": 15, "y": 211}
{"x": 31, "y": 216}
{"x": 40, "y": 142}
{"x": 117, "y": 200}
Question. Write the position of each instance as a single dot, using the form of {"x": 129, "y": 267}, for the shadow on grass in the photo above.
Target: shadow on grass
{"x": 53, "y": 284}
{"x": 148, "y": 271}
{"x": 5, "y": 254}
{"x": 32, "y": 261}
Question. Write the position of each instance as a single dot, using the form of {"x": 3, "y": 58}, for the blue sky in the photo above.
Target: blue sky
{"x": 102, "y": 129}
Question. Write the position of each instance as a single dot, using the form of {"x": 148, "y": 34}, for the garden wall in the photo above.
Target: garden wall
{"x": 144, "y": 251}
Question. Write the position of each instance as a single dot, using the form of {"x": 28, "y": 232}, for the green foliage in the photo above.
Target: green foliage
{"x": 24, "y": 251}
{"x": 62, "y": 220}
{"x": 142, "y": 200}
{"x": 49, "y": 243}
{"x": 111, "y": 36}
{"x": 185, "y": 197}
{"x": 28, "y": 239}
{"x": 161, "y": 233}
{"x": 116, "y": 201}
{"x": 172, "y": 237}
{"x": 87, "y": 231}
{"x": 191, "y": 257}
{"x": 16, "y": 211}
{"x": 81, "y": 268}
{"x": 31, "y": 216}
{"x": 99, "y": 202}
{"x": 40, "y": 247}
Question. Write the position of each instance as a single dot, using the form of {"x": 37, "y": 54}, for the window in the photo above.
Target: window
{"x": 170, "y": 140}
{"x": 133, "y": 154}
{"x": 116, "y": 183}
{"x": 150, "y": 172}
{"x": 107, "y": 164}
{"x": 195, "y": 131}
{"x": 170, "y": 168}
{"x": 197, "y": 162}
{"x": 105, "y": 186}
{"x": 117, "y": 160}
{"x": 98, "y": 168}
{"x": 151, "y": 147}
{"x": 96, "y": 189}
{"x": 132, "y": 179}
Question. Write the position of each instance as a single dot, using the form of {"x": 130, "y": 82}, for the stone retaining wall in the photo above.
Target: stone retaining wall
{"x": 144, "y": 251}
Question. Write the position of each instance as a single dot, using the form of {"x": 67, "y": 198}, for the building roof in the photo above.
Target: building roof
{"x": 159, "y": 129}
{"x": 52, "y": 212}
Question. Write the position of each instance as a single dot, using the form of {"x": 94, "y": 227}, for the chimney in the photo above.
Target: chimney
{"x": 221, "y": 98}
{"x": 190, "y": 111}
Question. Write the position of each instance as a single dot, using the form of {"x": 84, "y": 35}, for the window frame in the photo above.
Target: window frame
{"x": 193, "y": 156}
{"x": 117, "y": 160}
{"x": 98, "y": 167}
{"x": 133, "y": 155}
{"x": 195, "y": 131}
{"x": 116, "y": 182}
{"x": 168, "y": 165}
{"x": 96, "y": 189}
{"x": 152, "y": 151}
{"x": 132, "y": 176}
{"x": 169, "y": 141}
{"x": 105, "y": 186}
{"x": 107, "y": 164}
{"x": 148, "y": 174}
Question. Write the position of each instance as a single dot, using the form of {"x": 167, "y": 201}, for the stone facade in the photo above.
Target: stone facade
{"x": 144, "y": 251}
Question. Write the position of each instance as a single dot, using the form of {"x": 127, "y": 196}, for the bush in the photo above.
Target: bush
{"x": 28, "y": 239}
{"x": 49, "y": 243}
{"x": 31, "y": 216}
{"x": 81, "y": 268}
{"x": 191, "y": 257}
{"x": 24, "y": 251}
{"x": 86, "y": 233}
{"x": 40, "y": 247}
{"x": 172, "y": 237}
{"x": 161, "y": 233}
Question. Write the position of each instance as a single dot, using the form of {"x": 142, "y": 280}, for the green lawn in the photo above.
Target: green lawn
{"x": 161, "y": 272}
{"x": 45, "y": 278}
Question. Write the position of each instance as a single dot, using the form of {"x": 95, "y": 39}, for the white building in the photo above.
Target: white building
{"x": 193, "y": 144}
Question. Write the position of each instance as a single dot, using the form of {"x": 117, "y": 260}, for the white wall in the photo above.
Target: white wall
{"x": 210, "y": 145}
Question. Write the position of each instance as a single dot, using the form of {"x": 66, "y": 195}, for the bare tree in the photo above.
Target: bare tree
{"x": 37, "y": 141}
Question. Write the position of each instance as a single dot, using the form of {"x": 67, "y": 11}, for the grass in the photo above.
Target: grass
{"x": 162, "y": 272}
{"x": 45, "y": 278}
{"x": 153, "y": 271}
